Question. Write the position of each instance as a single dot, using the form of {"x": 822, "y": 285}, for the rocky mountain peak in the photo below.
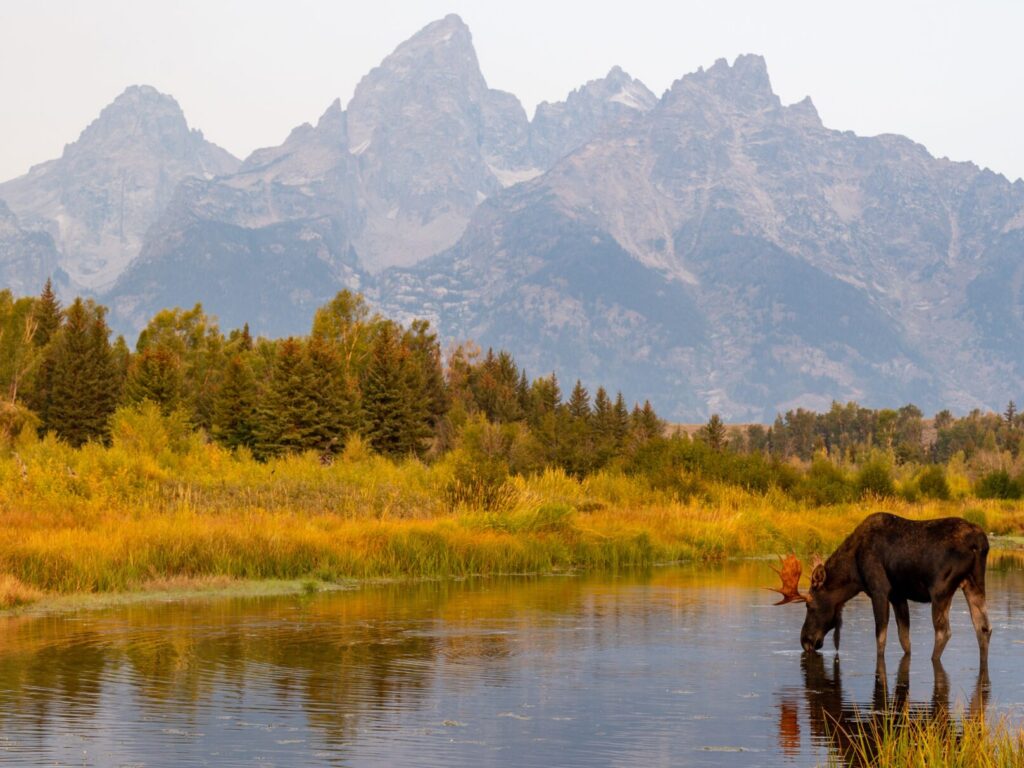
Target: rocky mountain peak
{"x": 139, "y": 115}
{"x": 744, "y": 85}
{"x": 587, "y": 112}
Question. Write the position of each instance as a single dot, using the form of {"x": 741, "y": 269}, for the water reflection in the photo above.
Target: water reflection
{"x": 851, "y": 728}
{"x": 683, "y": 665}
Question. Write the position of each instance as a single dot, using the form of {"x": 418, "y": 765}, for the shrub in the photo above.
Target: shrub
{"x": 825, "y": 483}
{"x": 997, "y": 485}
{"x": 932, "y": 483}
{"x": 875, "y": 479}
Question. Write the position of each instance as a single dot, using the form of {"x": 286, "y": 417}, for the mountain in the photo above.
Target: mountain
{"x": 394, "y": 178}
{"x": 27, "y": 258}
{"x": 728, "y": 253}
{"x": 599, "y": 106}
{"x": 713, "y": 249}
{"x": 101, "y": 195}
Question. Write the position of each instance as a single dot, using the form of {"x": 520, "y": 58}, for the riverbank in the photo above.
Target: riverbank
{"x": 121, "y": 519}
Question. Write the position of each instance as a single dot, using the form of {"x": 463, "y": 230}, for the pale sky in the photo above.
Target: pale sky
{"x": 946, "y": 74}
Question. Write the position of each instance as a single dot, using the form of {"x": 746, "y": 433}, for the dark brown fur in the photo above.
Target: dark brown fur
{"x": 894, "y": 560}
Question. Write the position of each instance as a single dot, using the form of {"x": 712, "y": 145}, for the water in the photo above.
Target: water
{"x": 677, "y": 666}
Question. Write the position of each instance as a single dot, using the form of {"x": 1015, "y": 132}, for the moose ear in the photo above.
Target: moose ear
{"x": 818, "y": 574}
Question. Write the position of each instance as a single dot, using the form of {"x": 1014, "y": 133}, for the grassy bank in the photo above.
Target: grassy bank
{"x": 152, "y": 507}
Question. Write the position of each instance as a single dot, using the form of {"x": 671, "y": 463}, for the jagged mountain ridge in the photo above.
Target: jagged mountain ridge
{"x": 803, "y": 264}
{"x": 713, "y": 249}
{"x": 395, "y": 176}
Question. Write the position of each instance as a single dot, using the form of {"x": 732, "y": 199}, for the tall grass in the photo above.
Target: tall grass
{"x": 162, "y": 503}
{"x": 904, "y": 742}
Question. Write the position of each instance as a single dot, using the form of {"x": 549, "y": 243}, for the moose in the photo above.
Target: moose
{"x": 894, "y": 560}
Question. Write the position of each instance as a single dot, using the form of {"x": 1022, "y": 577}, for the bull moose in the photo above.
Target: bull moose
{"x": 894, "y": 560}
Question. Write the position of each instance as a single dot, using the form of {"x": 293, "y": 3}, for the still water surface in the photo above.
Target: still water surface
{"x": 676, "y": 666}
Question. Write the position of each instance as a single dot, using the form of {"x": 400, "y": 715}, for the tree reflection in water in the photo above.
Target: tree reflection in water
{"x": 852, "y": 729}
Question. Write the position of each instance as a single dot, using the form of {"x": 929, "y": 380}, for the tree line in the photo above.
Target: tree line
{"x": 356, "y": 372}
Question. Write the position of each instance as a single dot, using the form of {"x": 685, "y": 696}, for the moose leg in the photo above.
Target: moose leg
{"x": 902, "y": 611}
{"x": 881, "y": 605}
{"x": 940, "y": 618}
{"x": 979, "y": 616}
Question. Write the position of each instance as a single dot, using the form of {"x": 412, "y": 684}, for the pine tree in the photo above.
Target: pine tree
{"x": 714, "y": 433}
{"x": 395, "y": 417}
{"x": 48, "y": 315}
{"x": 426, "y": 357}
{"x": 1010, "y": 414}
{"x": 576, "y": 428}
{"x": 234, "y": 408}
{"x": 307, "y": 405}
{"x": 155, "y": 375}
{"x": 579, "y": 402}
{"x": 84, "y": 392}
{"x": 604, "y": 428}
{"x": 620, "y": 421}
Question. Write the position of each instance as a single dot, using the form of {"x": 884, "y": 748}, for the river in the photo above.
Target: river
{"x": 673, "y": 666}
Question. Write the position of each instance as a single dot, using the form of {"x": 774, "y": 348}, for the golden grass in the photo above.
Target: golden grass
{"x": 155, "y": 507}
{"x": 903, "y": 742}
{"x": 14, "y": 593}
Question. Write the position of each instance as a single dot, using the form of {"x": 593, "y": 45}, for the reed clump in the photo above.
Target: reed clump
{"x": 164, "y": 508}
{"x": 903, "y": 742}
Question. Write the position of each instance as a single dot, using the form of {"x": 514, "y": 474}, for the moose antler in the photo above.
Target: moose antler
{"x": 790, "y": 574}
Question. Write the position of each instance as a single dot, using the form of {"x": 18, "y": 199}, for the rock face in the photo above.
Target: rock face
{"x": 714, "y": 249}
{"x": 431, "y": 141}
{"x": 98, "y": 199}
{"x": 390, "y": 180}
{"x": 27, "y": 258}
{"x": 605, "y": 105}
{"x": 728, "y": 253}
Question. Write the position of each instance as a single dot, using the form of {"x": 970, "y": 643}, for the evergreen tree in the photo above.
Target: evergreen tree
{"x": 714, "y": 433}
{"x": 425, "y": 356}
{"x": 234, "y": 410}
{"x": 604, "y": 428}
{"x": 84, "y": 392}
{"x": 578, "y": 456}
{"x": 579, "y": 402}
{"x": 48, "y": 315}
{"x": 1010, "y": 414}
{"x": 620, "y": 421}
{"x": 395, "y": 415}
{"x": 308, "y": 404}
{"x": 155, "y": 374}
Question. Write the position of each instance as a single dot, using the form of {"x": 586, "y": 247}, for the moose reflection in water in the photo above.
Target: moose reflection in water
{"x": 852, "y": 729}
{"x": 894, "y": 560}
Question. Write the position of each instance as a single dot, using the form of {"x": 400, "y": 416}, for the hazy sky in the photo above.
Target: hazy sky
{"x": 947, "y": 74}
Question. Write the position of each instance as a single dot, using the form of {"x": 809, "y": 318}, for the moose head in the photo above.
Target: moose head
{"x": 824, "y": 614}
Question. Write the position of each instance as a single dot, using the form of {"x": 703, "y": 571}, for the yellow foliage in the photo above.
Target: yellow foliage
{"x": 137, "y": 512}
